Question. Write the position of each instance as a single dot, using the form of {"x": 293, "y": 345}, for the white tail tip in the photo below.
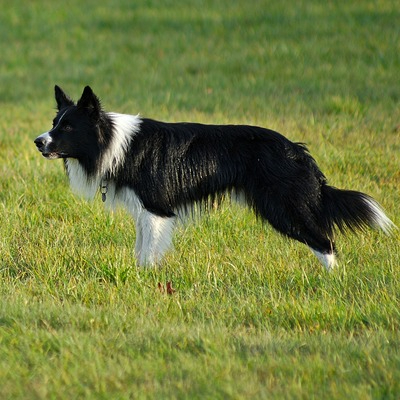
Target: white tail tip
{"x": 379, "y": 218}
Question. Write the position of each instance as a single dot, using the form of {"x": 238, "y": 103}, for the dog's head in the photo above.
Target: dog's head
{"x": 75, "y": 127}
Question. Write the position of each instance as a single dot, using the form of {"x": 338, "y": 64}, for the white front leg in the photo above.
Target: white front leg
{"x": 139, "y": 240}
{"x": 154, "y": 237}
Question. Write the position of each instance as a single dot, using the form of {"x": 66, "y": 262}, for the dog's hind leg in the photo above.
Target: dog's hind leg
{"x": 154, "y": 237}
{"x": 317, "y": 241}
{"x": 297, "y": 220}
{"x": 328, "y": 259}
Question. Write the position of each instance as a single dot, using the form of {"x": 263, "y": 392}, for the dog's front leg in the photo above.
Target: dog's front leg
{"x": 154, "y": 237}
{"x": 139, "y": 239}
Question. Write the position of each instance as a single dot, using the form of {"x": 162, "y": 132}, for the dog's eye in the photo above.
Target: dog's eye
{"x": 67, "y": 128}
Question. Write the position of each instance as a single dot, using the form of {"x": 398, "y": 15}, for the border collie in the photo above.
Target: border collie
{"x": 160, "y": 171}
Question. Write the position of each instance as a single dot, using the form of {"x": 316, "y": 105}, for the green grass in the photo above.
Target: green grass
{"x": 253, "y": 315}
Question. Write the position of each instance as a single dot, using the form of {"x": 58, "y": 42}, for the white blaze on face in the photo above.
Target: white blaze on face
{"x": 45, "y": 138}
{"x": 58, "y": 123}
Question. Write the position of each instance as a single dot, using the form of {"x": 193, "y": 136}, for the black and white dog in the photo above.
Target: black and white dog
{"x": 160, "y": 170}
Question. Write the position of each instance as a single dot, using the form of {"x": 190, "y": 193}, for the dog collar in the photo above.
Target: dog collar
{"x": 103, "y": 189}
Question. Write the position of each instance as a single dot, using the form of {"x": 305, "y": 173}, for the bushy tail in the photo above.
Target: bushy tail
{"x": 348, "y": 209}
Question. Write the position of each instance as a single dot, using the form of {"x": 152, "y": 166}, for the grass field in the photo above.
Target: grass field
{"x": 253, "y": 315}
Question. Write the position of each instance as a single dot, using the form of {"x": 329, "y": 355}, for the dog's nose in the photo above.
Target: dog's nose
{"x": 39, "y": 141}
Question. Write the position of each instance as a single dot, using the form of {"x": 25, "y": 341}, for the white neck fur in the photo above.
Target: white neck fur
{"x": 124, "y": 128}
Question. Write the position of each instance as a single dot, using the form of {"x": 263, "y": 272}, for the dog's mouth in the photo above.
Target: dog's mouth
{"x": 47, "y": 148}
{"x": 50, "y": 156}
{"x": 53, "y": 155}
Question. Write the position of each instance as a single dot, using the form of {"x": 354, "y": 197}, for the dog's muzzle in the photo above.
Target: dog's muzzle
{"x": 42, "y": 143}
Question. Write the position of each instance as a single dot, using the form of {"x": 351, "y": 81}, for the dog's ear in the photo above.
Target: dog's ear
{"x": 62, "y": 99}
{"x": 90, "y": 102}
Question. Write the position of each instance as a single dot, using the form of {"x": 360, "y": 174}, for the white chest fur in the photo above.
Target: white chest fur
{"x": 80, "y": 182}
